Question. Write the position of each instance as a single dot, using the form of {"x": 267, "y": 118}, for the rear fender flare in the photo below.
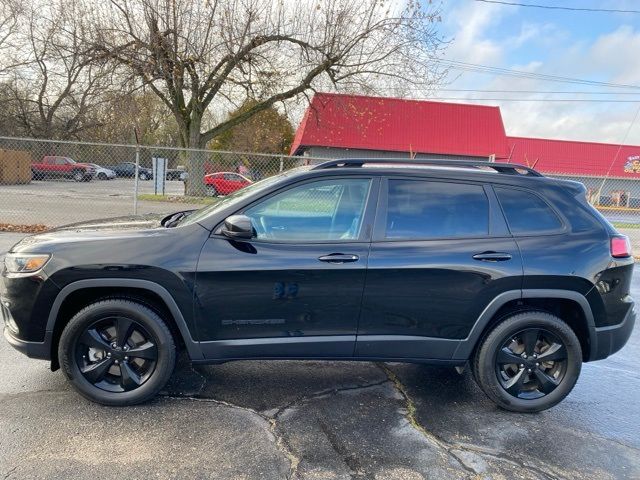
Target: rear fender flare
{"x": 467, "y": 345}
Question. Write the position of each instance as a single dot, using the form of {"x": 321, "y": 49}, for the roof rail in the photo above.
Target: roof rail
{"x": 506, "y": 168}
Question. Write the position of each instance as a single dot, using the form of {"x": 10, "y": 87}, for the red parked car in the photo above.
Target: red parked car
{"x": 55, "y": 166}
{"x": 224, "y": 183}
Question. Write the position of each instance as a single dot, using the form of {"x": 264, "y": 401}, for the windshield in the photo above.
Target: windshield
{"x": 238, "y": 196}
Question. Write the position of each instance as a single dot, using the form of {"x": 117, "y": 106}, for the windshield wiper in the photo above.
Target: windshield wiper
{"x": 175, "y": 219}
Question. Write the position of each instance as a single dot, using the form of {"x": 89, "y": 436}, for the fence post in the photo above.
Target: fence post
{"x": 136, "y": 180}
{"x": 281, "y": 163}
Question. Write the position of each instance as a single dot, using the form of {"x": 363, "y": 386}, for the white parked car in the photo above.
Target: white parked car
{"x": 103, "y": 173}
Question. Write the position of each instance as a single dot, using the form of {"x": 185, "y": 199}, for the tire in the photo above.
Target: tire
{"x": 117, "y": 371}
{"x": 36, "y": 176}
{"x": 530, "y": 383}
{"x": 211, "y": 191}
{"x": 143, "y": 176}
{"x": 77, "y": 175}
{"x": 102, "y": 176}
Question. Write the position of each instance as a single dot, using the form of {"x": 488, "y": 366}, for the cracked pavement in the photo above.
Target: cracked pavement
{"x": 319, "y": 420}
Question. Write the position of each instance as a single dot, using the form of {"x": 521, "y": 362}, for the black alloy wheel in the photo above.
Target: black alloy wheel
{"x": 116, "y": 354}
{"x": 528, "y": 362}
{"x": 531, "y": 363}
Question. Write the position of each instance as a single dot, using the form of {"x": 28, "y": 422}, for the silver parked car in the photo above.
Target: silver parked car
{"x": 103, "y": 173}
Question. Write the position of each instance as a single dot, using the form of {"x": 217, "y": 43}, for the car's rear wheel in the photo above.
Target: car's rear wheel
{"x": 212, "y": 191}
{"x": 143, "y": 176}
{"x": 117, "y": 352}
{"x": 528, "y": 362}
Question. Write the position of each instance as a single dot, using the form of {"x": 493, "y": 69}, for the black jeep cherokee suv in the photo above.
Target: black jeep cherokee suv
{"x": 434, "y": 262}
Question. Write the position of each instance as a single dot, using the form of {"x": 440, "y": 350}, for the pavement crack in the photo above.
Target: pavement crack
{"x": 484, "y": 452}
{"x": 350, "y": 460}
{"x": 9, "y": 472}
{"x": 451, "y": 448}
{"x": 280, "y": 440}
{"x": 272, "y": 420}
{"x": 413, "y": 421}
{"x": 202, "y": 377}
{"x": 331, "y": 391}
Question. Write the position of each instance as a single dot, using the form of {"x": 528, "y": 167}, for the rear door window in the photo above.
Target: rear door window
{"x": 421, "y": 209}
{"x": 526, "y": 212}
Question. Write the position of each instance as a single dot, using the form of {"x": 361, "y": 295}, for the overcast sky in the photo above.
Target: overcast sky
{"x": 603, "y": 47}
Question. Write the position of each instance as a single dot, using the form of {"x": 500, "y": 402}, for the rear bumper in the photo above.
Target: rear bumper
{"x": 608, "y": 340}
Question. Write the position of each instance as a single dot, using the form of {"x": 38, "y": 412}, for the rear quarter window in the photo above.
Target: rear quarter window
{"x": 526, "y": 212}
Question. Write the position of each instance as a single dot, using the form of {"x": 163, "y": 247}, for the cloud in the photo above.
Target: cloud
{"x": 618, "y": 52}
{"x": 480, "y": 37}
{"x": 470, "y": 23}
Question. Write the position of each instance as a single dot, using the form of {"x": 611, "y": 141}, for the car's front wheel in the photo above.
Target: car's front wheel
{"x": 143, "y": 176}
{"x": 117, "y": 352}
{"x": 528, "y": 362}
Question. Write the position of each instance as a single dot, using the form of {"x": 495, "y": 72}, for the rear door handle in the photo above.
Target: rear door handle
{"x": 339, "y": 258}
{"x": 492, "y": 256}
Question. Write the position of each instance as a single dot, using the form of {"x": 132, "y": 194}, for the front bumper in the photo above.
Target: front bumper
{"x": 610, "y": 339}
{"x": 41, "y": 350}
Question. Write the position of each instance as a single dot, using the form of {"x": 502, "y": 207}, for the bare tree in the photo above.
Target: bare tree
{"x": 9, "y": 12}
{"x": 59, "y": 83}
{"x": 204, "y": 58}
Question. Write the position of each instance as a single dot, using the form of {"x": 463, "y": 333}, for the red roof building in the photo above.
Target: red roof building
{"x": 343, "y": 126}
{"x": 579, "y": 159}
{"x": 336, "y": 123}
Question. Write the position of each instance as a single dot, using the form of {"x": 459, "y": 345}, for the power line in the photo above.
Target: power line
{"x": 530, "y": 75}
{"x": 566, "y": 92}
{"x": 585, "y": 100}
{"x": 555, "y": 7}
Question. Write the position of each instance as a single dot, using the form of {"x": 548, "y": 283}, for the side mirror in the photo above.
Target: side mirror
{"x": 237, "y": 226}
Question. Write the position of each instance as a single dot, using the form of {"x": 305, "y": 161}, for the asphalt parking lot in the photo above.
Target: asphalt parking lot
{"x": 59, "y": 202}
{"x": 312, "y": 420}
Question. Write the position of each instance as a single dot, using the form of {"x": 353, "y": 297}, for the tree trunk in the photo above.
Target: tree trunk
{"x": 196, "y": 158}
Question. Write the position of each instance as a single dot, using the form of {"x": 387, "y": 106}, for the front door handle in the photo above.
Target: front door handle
{"x": 492, "y": 256}
{"x": 339, "y": 258}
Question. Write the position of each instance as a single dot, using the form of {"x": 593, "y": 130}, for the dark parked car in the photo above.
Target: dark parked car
{"x": 445, "y": 263}
{"x": 174, "y": 174}
{"x": 128, "y": 170}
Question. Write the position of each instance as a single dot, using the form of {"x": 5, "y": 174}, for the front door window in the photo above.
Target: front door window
{"x": 326, "y": 210}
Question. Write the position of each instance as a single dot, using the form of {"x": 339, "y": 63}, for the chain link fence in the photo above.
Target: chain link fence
{"x": 51, "y": 183}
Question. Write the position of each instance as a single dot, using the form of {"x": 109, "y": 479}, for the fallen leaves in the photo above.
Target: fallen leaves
{"x": 9, "y": 227}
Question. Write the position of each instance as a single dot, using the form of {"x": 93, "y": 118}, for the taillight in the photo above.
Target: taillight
{"x": 620, "y": 246}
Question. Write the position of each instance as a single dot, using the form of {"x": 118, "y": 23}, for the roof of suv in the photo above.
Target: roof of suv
{"x": 499, "y": 167}
{"x": 494, "y": 172}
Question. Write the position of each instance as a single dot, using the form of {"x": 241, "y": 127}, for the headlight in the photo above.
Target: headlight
{"x": 25, "y": 262}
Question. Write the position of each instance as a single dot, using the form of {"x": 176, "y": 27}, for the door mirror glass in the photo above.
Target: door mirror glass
{"x": 237, "y": 226}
